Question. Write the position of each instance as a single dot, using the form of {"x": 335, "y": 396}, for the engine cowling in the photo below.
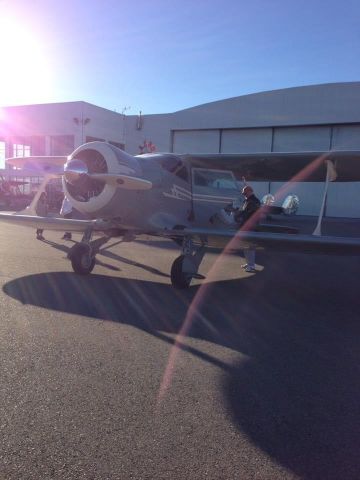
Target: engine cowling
{"x": 87, "y": 194}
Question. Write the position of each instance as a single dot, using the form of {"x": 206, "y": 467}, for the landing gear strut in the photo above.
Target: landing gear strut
{"x": 186, "y": 266}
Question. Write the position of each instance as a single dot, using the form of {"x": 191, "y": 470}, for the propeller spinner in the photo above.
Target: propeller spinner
{"x": 76, "y": 169}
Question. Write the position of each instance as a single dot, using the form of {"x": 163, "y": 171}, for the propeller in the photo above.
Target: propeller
{"x": 76, "y": 170}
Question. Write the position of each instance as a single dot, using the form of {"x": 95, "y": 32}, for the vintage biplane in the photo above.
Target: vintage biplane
{"x": 174, "y": 196}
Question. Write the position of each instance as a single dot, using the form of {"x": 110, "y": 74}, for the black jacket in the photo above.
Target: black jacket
{"x": 249, "y": 207}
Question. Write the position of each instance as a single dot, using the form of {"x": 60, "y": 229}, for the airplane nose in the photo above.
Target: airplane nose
{"x": 74, "y": 170}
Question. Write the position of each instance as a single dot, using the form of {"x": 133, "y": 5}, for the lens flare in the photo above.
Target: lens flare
{"x": 205, "y": 289}
{"x": 26, "y": 73}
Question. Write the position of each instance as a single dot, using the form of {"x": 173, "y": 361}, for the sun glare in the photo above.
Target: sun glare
{"x": 25, "y": 69}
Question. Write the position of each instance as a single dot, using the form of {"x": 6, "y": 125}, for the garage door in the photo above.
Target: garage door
{"x": 301, "y": 139}
{"x": 247, "y": 140}
{"x": 196, "y": 141}
{"x": 346, "y": 137}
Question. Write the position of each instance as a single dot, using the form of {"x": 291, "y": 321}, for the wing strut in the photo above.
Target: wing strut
{"x": 330, "y": 177}
{"x": 31, "y": 209}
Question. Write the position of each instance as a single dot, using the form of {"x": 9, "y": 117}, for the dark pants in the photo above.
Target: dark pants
{"x": 68, "y": 215}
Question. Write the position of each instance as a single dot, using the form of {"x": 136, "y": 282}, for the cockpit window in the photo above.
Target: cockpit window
{"x": 176, "y": 166}
{"x": 219, "y": 179}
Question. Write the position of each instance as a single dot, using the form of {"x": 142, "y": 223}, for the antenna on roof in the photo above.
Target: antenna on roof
{"x": 139, "y": 121}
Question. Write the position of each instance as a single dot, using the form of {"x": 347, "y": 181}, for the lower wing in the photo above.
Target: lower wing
{"x": 213, "y": 238}
{"x": 289, "y": 241}
{"x": 57, "y": 224}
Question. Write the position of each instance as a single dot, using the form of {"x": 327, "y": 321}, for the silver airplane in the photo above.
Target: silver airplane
{"x": 175, "y": 197}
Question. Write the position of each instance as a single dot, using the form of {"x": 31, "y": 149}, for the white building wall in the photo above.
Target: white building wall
{"x": 334, "y": 103}
{"x": 53, "y": 121}
{"x": 154, "y": 128}
{"x": 103, "y": 124}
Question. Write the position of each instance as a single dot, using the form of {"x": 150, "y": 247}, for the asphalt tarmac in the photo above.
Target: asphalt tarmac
{"x": 262, "y": 383}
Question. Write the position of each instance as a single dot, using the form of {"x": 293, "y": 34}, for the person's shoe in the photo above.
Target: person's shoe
{"x": 66, "y": 236}
{"x": 244, "y": 265}
{"x": 250, "y": 269}
{"x": 40, "y": 237}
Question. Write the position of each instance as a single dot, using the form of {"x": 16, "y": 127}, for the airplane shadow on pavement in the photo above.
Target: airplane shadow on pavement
{"x": 297, "y": 394}
{"x": 104, "y": 252}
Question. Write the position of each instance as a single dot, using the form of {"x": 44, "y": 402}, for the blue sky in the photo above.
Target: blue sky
{"x": 163, "y": 56}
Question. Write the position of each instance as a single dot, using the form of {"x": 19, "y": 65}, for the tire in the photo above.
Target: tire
{"x": 179, "y": 279}
{"x": 81, "y": 259}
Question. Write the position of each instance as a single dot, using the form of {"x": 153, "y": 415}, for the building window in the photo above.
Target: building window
{"x": 20, "y": 150}
{"x": 2, "y": 154}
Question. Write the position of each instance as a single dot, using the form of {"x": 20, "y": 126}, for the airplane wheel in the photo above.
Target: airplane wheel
{"x": 81, "y": 259}
{"x": 179, "y": 279}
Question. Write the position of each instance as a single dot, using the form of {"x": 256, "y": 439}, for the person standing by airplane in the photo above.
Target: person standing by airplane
{"x": 241, "y": 216}
{"x": 41, "y": 211}
{"x": 66, "y": 212}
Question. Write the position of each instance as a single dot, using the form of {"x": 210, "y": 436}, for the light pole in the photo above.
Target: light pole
{"x": 81, "y": 121}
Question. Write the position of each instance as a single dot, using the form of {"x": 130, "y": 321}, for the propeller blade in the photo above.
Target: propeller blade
{"x": 43, "y": 164}
{"x": 122, "y": 181}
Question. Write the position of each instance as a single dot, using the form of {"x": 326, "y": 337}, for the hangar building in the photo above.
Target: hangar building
{"x": 56, "y": 128}
{"x": 309, "y": 118}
